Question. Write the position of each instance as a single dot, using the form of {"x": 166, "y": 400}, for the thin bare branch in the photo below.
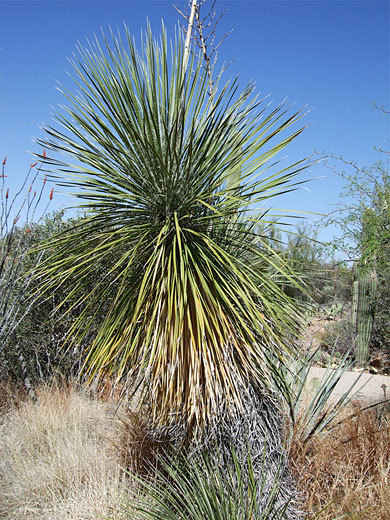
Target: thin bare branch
{"x": 203, "y": 32}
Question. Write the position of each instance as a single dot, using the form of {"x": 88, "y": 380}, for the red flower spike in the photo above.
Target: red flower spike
{"x": 16, "y": 219}
{"x": 32, "y": 165}
{"x": 28, "y": 230}
{"x": 5, "y": 160}
{"x": 51, "y": 193}
{"x": 35, "y": 192}
{"x": 29, "y": 190}
{"x": 45, "y": 179}
{"x": 3, "y": 176}
{"x": 6, "y": 195}
{"x": 44, "y": 153}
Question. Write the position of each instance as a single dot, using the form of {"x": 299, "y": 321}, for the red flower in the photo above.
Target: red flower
{"x": 6, "y": 195}
{"x": 32, "y": 165}
{"x": 5, "y": 160}
{"x": 51, "y": 193}
{"x": 30, "y": 188}
{"x": 44, "y": 153}
{"x": 28, "y": 230}
{"x": 16, "y": 219}
{"x": 45, "y": 179}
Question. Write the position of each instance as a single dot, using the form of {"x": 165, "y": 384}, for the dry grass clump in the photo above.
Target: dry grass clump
{"x": 57, "y": 460}
{"x": 139, "y": 446}
{"x": 349, "y": 468}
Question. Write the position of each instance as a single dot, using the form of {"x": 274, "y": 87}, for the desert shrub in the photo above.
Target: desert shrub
{"x": 336, "y": 284}
{"x": 20, "y": 211}
{"x": 338, "y": 337}
{"x": 35, "y": 351}
{"x": 380, "y": 339}
{"x": 330, "y": 284}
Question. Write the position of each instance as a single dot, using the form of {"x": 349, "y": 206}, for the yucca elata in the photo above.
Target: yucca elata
{"x": 172, "y": 181}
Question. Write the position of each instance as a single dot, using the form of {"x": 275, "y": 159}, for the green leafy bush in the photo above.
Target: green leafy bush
{"x": 339, "y": 336}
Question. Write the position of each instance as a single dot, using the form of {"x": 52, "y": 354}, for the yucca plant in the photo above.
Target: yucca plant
{"x": 196, "y": 489}
{"x": 169, "y": 234}
{"x": 315, "y": 411}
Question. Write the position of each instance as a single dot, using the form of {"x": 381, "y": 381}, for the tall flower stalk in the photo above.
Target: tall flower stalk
{"x": 20, "y": 211}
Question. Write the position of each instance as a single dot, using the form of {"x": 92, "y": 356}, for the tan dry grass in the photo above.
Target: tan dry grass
{"x": 139, "y": 445}
{"x": 348, "y": 469}
{"x": 57, "y": 460}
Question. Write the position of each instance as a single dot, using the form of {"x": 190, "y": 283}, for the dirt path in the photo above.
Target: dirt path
{"x": 376, "y": 387}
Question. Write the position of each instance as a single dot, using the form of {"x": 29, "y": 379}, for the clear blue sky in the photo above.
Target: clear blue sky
{"x": 332, "y": 56}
